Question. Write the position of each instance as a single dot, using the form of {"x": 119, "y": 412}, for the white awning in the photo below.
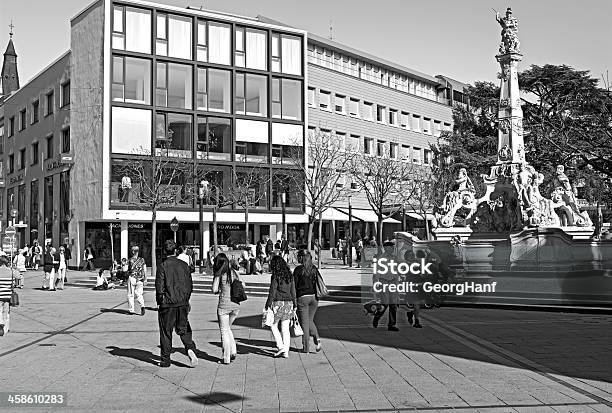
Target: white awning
{"x": 342, "y": 214}
{"x": 251, "y": 131}
{"x": 418, "y": 216}
{"x": 390, "y": 220}
{"x": 287, "y": 134}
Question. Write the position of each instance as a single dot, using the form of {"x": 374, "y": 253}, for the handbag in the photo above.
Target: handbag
{"x": 296, "y": 328}
{"x": 334, "y": 253}
{"x": 237, "y": 294}
{"x": 321, "y": 287}
{"x": 14, "y": 302}
{"x": 267, "y": 318}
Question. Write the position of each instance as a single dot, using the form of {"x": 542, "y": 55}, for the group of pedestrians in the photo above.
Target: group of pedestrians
{"x": 55, "y": 264}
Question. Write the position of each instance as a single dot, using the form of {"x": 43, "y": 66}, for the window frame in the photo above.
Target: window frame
{"x": 49, "y": 153}
{"x": 342, "y": 99}
{"x": 50, "y": 98}
{"x": 35, "y": 106}
{"x": 65, "y": 142}
{"x": 65, "y": 99}
{"x": 321, "y": 106}
{"x": 35, "y": 154}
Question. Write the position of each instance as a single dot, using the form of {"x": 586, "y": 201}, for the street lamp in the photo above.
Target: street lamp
{"x": 350, "y": 237}
{"x": 202, "y": 192}
{"x": 283, "y": 205}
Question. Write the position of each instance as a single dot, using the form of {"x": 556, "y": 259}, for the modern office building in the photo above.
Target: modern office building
{"x": 226, "y": 95}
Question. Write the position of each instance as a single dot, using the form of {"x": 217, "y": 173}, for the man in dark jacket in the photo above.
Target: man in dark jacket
{"x": 269, "y": 248}
{"x": 173, "y": 287}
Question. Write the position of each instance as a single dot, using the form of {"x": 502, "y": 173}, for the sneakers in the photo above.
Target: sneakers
{"x": 417, "y": 324}
{"x": 164, "y": 363}
{"x": 392, "y": 328}
{"x": 192, "y": 358}
{"x": 318, "y": 346}
{"x": 232, "y": 357}
{"x": 142, "y": 311}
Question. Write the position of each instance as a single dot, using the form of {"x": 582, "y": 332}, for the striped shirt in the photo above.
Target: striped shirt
{"x": 6, "y": 283}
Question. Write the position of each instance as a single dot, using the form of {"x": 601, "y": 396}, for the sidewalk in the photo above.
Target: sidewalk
{"x": 82, "y": 342}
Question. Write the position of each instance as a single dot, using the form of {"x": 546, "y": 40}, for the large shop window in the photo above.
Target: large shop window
{"x": 131, "y": 29}
{"x": 173, "y": 36}
{"x": 251, "y": 187}
{"x": 251, "y": 95}
{"x": 214, "y": 139}
{"x": 287, "y": 99}
{"x": 176, "y": 187}
{"x": 287, "y": 143}
{"x": 217, "y": 178}
{"x": 219, "y": 43}
{"x": 213, "y": 90}
{"x": 173, "y": 85}
{"x": 251, "y": 141}
{"x": 131, "y": 131}
{"x": 131, "y": 80}
{"x": 126, "y": 187}
{"x": 173, "y": 135}
{"x": 286, "y": 54}
{"x": 251, "y": 48}
{"x": 287, "y": 182}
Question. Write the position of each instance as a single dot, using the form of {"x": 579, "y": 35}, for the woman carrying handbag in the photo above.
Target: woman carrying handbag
{"x": 227, "y": 308}
{"x": 306, "y": 275}
{"x": 7, "y": 296}
{"x": 283, "y": 302}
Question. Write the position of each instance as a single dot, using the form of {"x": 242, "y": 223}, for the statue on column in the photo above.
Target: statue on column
{"x": 462, "y": 196}
{"x": 510, "y": 42}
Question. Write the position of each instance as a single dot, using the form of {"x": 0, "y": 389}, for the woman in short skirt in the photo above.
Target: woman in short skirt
{"x": 282, "y": 301}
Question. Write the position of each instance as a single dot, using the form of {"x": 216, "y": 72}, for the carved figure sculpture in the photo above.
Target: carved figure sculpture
{"x": 564, "y": 193}
{"x": 462, "y": 197}
{"x": 510, "y": 42}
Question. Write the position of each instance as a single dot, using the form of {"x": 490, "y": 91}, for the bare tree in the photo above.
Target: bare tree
{"x": 249, "y": 188}
{"x": 385, "y": 183}
{"x": 421, "y": 193}
{"x": 154, "y": 181}
{"x": 322, "y": 177}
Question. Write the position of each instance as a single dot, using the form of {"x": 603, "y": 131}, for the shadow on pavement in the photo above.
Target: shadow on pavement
{"x": 115, "y": 310}
{"x": 216, "y": 398}
{"x": 555, "y": 346}
{"x": 249, "y": 346}
{"x": 142, "y": 355}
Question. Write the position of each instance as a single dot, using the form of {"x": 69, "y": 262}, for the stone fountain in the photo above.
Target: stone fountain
{"x": 539, "y": 249}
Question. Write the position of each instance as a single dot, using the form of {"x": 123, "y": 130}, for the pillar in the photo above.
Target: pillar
{"x": 206, "y": 246}
{"x": 277, "y": 229}
{"x": 332, "y": 233}
{"x": 256, "y": 232}
{"x": 125, "y": 248}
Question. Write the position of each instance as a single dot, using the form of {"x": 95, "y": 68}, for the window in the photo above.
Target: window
{"x": 416, "y": 123}
{"x": 131, "y": 131}
{"x": 251, "y": 95}
{"x": 354, "y": 108}
{"x": 324, "y": 100}
{"x": 284, "y": 181}
{"x": 11, "y": 163}
{"x": 251, "y": 141}
{"x": 33, "y": 205}
{"x": 447, "y": 127}
{"x": 256, "y": 180}
{"x": 368, "y": 111}
{"x": 416, "y": 155}
{"x": 173, "y": 86}
{"x": 173, "y": 135}
{"x": 380, "y": 114}
{"x": 352, "y": 144}
{"x": 66, "y": 140}
{"x": 341, "y": 139}
{"x": 35, "y": 107}
{"x": 214, "y": 139}
{"x": 219, "y": 97}
{"x": 22, "y": 119}
{"x": 287, "y": 99}
{"x": 22, "y": 159}
{"x": 35, "y": 153}
{"x": 340, "y": 104}
{"x": 286, "y": 54}
{"x": 427, "y": 126}
{"x": 125, "y": 185}
{"x": 11, "y": 126}
{"x": 427, "y": 157}
{"x": 405, "y": 153}
{"x": 173, "y": 36}
{"x": 392, "y": 117}
{"x": 64, "y": 203}
{"x": 65, "y": 94}
{"x": 393, "y": 150}
{"x": 1, "y": 145}
{"x": 367, "y": 146}
{"x": 381, "y": 148}
{"x": 50, "y": 103}
{"x": 49, "y": 147}
{"x": 311, "y": 97}
{"x": 251, "y": 48}
{"x": 131, "y": 80}
{"x": 404, "y": 120}
{"x": 202, "y": 47}
{"x": 287, "y": 143}
{"x": 437, "y": 129}
{"x": 219, "y": 45}
{"x": 202, "y": 92}
{"x": 131, "y": 29}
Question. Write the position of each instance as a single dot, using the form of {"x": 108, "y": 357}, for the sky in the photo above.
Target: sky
{"x": 455, "y": 38}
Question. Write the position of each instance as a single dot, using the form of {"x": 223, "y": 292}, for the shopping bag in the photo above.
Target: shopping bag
{"x": 296, "y": 328}
{"x": 14, "y": 302}
{"x": 321, "y": 287}
{"x": 267, "y": 318}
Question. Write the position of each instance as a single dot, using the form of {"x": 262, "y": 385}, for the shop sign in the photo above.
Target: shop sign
{"x": 16, "y": 178}
{"x": 230, "y": 227}
{"x": 136, "y": 226}
{"x": 57, "y": 163}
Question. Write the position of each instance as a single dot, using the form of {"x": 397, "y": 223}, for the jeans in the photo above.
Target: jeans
{"x": 49, "y": 280}
{"x": 282, "y": 335}
{"x": 174, "y": 318}
{"x": 5, "y": 315}
{"x": 306, "y": 309}
{"x": 61, "y": 276}
{"x": 135, "y": 288}
{"x": 226, "y": 319}
{"x": 392, "y": 313}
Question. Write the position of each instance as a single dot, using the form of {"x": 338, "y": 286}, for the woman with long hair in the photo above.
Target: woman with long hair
{"x": 282, "y": 301}
{"x": 305, "y": 276}
{"x": 227, "y": 310}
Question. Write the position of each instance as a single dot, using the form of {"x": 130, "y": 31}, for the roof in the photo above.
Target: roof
{"x": 455, "y": 84}
{"x": 10, "y": 49}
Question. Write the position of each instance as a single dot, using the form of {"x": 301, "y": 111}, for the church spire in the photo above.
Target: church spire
{"x": 10, "y": 76}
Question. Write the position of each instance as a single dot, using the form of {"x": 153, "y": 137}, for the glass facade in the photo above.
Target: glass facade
{"x": 211, "y": 91}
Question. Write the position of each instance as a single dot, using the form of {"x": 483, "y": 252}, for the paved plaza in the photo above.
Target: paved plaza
{"x": 84, "y": 343}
